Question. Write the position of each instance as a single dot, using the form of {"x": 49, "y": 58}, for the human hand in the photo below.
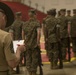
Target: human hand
{"x": 21, "y": 48}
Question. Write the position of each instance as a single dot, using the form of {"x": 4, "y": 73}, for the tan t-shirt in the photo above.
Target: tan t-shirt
{"x": 6, "y": 47}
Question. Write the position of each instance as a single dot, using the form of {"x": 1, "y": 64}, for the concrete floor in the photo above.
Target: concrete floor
{"x": 69, "y": 69}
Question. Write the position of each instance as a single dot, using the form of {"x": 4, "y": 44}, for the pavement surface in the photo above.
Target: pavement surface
{"x": 68, "y": 69}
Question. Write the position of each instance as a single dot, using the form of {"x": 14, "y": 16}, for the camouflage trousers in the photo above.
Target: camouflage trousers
{"x": 53, "y": 53}
{"x": 64, "y": 45}
{"x": 73, "y": 39}
{"x": 31, "y": 60}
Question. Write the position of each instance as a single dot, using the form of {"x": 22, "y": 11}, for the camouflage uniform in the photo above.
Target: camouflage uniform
{"x": 73, "y": 32}
{"x": 69, "y": 15}
{"x": 16, "y": 28}
{"x": 51, "y": 39}
{"x": 44, "y": 31}
{"x": 7, "y": 29}
{"x": 30, "y": 30}
{"x": 63, "y": 33}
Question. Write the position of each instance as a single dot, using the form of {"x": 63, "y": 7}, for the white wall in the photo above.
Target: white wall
{"x": 48, "y": 4}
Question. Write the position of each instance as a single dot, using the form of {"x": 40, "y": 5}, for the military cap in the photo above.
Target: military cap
{"x": 8, "y": 12}
{"x": 32, "y": 11}
{"x": 64, "y": 10}
{"x": 48, "y": 12}
{"x": 18, "y": 13}
{"x": 74, "y": 10}
{"x": 68, "y": 10}
{"x": 51, "y": 11}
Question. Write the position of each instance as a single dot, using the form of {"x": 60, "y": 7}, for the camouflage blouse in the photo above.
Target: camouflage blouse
{"x": 30, "y": 30}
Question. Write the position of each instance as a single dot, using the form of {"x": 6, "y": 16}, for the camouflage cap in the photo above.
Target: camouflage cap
{"x": 51, "y": 11}
{"x": 63, "y": 10}
{"x": 68, "y": 10}
{"x": 18, "y": 13}
{"x": 74, "y": 10}
{"x": 32, "y": 11}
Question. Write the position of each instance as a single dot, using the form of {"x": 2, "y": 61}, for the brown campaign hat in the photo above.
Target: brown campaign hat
{"x": 8, "y": 12}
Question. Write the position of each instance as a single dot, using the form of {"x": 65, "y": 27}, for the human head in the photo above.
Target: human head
{"x": 32, "y": 13}
{"x": 18, "y": 15}
{"x": 74, "y": 11}
{"x": 63, "y": 12}
{"x": 5, "y": 14}
{"x": 69, "y": 12}
{"x": 51, "y": 12}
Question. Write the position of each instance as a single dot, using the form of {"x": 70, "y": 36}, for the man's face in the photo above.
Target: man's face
{"x": 62, "y": 13}
{"x": 2, "y": 20}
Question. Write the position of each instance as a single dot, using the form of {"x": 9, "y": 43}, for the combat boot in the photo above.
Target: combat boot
{"x": 55, "y": 66}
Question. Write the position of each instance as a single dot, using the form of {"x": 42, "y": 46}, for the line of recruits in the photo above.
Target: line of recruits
{"x": 55, "y": 30}
{"x": 59, "y": 29}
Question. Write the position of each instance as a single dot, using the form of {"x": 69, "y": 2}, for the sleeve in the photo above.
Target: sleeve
{"x": 23, "y": 26}
{"x": 8, "y": 48}
{"x": 38, "y": 25}
{"x": 11, "y": 30}
{"x": 58, "y": 23}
